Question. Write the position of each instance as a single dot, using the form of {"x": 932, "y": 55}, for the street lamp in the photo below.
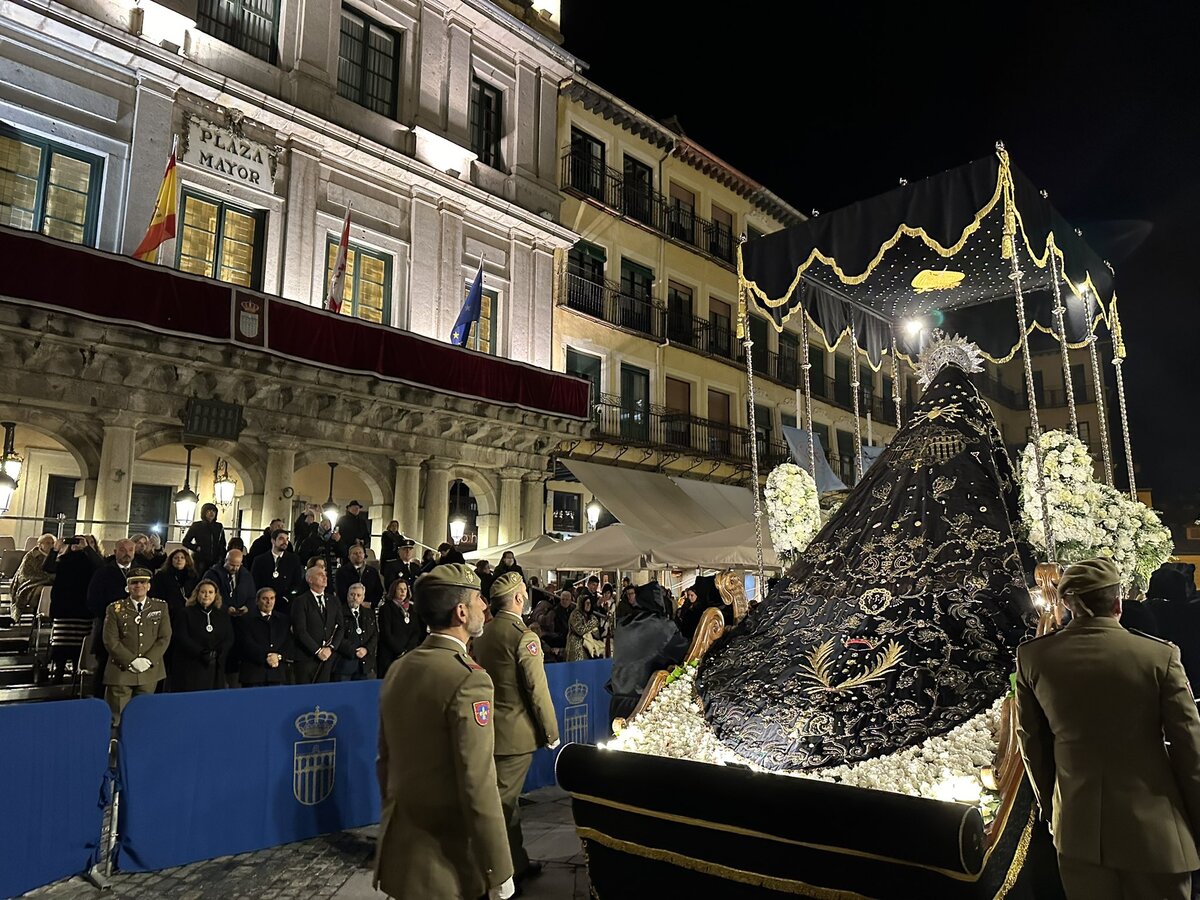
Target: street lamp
{"x": 223, "y": 485}
{"x": 10, "y": 462}
{"x": 186, "y": 500}
{"x": 593, "y": 514}
{"x": 330, "y": 509}
{"x": 458, "y": 525}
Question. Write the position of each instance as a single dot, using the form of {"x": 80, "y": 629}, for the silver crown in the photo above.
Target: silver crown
{"x": 576, "y": 693}
{"x": 316, "y": 724}
{"x": 942, "y": 351}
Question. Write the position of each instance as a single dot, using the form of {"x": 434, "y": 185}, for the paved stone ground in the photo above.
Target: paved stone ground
{"x": 338, "y": 867}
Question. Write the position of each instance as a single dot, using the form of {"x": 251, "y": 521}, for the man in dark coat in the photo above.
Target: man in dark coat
{"x": 317, "y": 629}
{"x": 406, "y": 567}
{"x": 323, "y": 542}
{"x": 356, "y": 571}
{"x": 206, "y": 539}
{"x": 235, "y": 583}
{"x": 279, "y": 568}
{"x": 354, "y": 528}
{"x": 107, "y": 585}
{"x": 356, "y": 652}
{"x": 264, "y": 642}
{"x": 262, "y": 543}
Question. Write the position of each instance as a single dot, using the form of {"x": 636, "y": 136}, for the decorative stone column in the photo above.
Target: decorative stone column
{"x": 510, "y": 509}
{"x": 114, "y": 484}
{"x": 281, "y": 468}
{"x": 533, "y": 505}
{"x": 437, "y": 501}
{"x": 406, "y": 500}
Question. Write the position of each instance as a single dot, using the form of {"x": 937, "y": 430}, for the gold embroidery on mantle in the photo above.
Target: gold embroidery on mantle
{"x": 820, "y": 670}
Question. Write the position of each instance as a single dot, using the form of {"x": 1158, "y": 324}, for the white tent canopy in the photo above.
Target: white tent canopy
{"x": 614, "y": 547}
{"x": 730, "y": 548}
{"x": 518, "y": 548}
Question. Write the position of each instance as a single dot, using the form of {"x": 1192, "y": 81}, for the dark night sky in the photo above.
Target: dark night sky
{"x": 835, "y": 103}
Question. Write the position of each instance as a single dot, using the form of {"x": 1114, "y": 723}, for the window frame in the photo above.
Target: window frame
{"x": 360, "y": 250}
{"x": 238, "y": 34}
{"x": 260, "y": 217}
{"x": 491, "y": 155}
{"x": 473, "y": 339}
{"x": 397, "y": 36}
{"x": 50, "y": 148}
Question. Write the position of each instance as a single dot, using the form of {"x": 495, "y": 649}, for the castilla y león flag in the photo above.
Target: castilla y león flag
{"x": 337, "y": 280}
{"x": 162, "y": 223}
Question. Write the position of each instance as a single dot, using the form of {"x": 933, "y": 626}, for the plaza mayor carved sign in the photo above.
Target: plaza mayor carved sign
{"x": 225, "y": 150}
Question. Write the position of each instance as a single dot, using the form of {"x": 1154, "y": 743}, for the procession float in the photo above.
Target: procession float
{"x": 851, "y": 734}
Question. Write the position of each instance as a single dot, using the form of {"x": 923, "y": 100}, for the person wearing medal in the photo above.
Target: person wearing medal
{"x": 318, "y": 628}
{"x": 201, "y": 638}
{"x": 400, "y": 628}
{"x": 279, "y": 569}
{"x": 137, "y": 630}
{"x": 356, "y": 652}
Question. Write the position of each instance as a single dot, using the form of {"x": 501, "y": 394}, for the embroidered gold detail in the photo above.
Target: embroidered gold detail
{"x": 928, "y": 280}
{"x": 875, "y": 601}
{"x": 819, "y": 668}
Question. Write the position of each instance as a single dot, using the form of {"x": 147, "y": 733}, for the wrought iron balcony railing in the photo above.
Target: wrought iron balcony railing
{"x": 606, "y": 302}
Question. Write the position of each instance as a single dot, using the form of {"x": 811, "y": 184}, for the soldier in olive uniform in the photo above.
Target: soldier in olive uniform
{"x": 1094, "y": 705}
{"x": 137, "y": 631}
{"x": 525, "y": 720}
{"x": 441, "y": 831}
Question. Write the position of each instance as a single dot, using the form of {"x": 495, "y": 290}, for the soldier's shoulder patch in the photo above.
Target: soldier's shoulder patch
{"x": 468, "y": 662}
{"x": 1040, "y": 637}
{"x": 1150, "y": 636}
{"x": 532, "y": 648}
{"x": 483, "y": 712}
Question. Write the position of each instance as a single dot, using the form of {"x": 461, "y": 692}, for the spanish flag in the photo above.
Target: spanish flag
{"x": 162, "y": 223}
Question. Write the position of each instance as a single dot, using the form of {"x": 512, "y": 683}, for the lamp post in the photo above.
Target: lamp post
{"x": 330, "y": 509}
{"x": 223, "y": 485}
{"x": 10, "y": 468}
{"x": 185, "y": 501}
{"x": 593, "y": 514}
{"x": 458, "y": 526}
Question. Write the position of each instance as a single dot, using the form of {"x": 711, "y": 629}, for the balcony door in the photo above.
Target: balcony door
{"x": 718, "y": 427}
{"x": 680, "y": 327}
{"x": 635, "y": 305}
{"x": 677, "y": 422}
{"x": 587, "y": 164}
{"x": 585, "y": 279}
{"x": 639, "y": 190}
{"x": 720, "y": 328}
{"x": 635, "y": 403}
{"x": 682, "y": 224}
{"x": 584, "y": 365}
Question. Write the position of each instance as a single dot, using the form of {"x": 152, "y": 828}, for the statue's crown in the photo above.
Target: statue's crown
{"x": 942, "y": 351}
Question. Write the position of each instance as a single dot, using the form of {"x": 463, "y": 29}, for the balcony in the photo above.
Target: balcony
{"x": 606, "y": 302}
{"x": 655, "y": 426}
{"x": 588, "y": 179}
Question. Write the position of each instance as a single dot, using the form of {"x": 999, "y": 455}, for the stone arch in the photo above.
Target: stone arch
{"x": 374, "y": 473}
{"x": 81, "y": 436}
{"x": 247, "y": 465}
{"x": 482, "y": 486}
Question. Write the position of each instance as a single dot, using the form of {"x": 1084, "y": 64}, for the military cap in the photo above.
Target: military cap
{"x": 506, "y": 584}
{"x": 138, "y": 575}
{"x": 1089, "y": 575}
{"x": 448, "y": 575}
{"x": 407, "y": 542}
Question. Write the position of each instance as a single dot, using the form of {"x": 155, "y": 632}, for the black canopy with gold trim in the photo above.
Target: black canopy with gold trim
{"x": 933, "y": 246}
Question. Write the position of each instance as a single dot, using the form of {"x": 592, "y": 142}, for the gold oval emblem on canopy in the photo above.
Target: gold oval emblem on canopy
{"x": 928, "y": 280}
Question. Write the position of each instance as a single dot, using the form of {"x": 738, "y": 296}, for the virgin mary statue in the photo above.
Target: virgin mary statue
{"x": 900, "y": 620}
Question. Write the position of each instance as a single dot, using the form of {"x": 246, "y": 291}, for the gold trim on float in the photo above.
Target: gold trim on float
{"x": 757, "y": 879}
{"x": 749, "y": 832}
{"x": 1018, "y": 860}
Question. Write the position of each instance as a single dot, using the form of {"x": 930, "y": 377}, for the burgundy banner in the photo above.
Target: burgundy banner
{"x": 43, "y": 272}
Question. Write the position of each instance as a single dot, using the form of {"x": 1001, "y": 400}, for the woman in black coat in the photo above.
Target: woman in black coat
{"x": 201, "y": 638}
{"x": 508, "y": 563}
{"x": 400, "y": 628}
{"x": 72, "y": 562}
{"x": 175, "y": 581}
{"x": 206, "y": 539}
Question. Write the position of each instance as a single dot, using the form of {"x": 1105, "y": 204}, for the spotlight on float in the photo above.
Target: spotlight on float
{"x": 330, "y": 510}
{"x": 912, "y": 327}
{"x": 186, "y": 500}
{"x": 457, "y": 529}
{"x": 593, "y": 514}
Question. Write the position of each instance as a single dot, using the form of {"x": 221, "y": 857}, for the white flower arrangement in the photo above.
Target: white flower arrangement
{"x": 1087, "y": 518}
{"x": 946, "y": 767}
{"x": 793, "y": 508}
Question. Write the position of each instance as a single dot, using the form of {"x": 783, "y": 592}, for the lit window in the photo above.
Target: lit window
{"x": 48, "y": 188}
{"x": 367, "y": 290}
{"x": 220, "y": 240}
{"x": 249, "y": 25}
{"x": 368, "y": 63}
{"x": 482, "y": 336}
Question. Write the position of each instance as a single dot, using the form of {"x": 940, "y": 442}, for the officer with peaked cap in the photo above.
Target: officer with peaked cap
{"x": 137, "y": 630}
{"x": 1094, "y": 705}
{"x": 525, "y": 720}
{"x": 441, "y": 831}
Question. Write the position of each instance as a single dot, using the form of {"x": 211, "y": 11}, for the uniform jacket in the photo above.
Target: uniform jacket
{"x": 256, "y": 637}
{"x": 290, "y": 579}
{"x": 397, "y": 636}
{"x": 1094, "y": 704}
{"x": 348, "y": 663}
{"x": 198, "y": 655}
{"x": 368, "y": 578}
{"x": 441, "y": 831}
{"x": 128, "y": 635}
{"x": 512, "y": 656}
{"x": 311, "y": 631}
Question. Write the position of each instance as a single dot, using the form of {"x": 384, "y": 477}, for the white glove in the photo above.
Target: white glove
{"x": 140, "y": 665}
{"x": 503, "y": 892}
{"x": 553, "y": 746}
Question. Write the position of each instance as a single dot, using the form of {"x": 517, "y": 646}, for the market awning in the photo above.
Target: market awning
{"x": 731, "y": 548}
{"x": 615, "y": 547}
{"x": 518, "y": 548}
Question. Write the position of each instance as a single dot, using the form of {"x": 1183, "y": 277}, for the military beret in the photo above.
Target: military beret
{"x": 138, "y": 575}
{"x": 448, "y": 575}
{"x": 1089, "y": 575}
{"x": 506, "y": 584}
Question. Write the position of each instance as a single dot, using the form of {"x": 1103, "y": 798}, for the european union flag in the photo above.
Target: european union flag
{"x": 470, "y": 310}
